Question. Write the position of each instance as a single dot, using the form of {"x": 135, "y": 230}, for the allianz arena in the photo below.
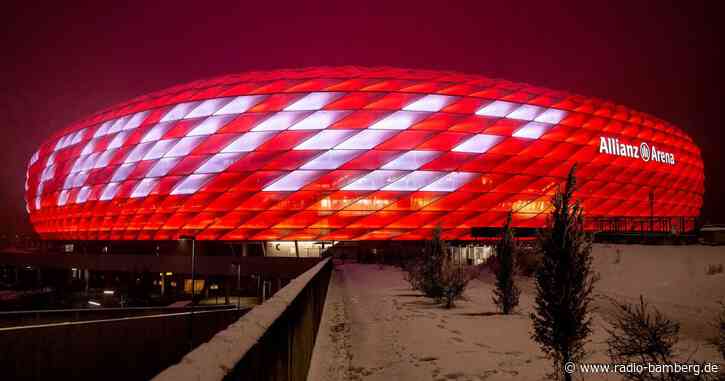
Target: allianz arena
{"x": 353, "y": 154}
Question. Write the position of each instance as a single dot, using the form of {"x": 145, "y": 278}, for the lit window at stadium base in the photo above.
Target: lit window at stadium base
{"x": 352, "y": 153}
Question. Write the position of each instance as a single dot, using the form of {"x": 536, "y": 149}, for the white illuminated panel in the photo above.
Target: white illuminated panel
{"x": 109, "y": 192}
{"x": 190, "y": 184}
{"x": 162, "y": 167}
{"x": 117, "y": 125}
{"x": 118, "y": 140}
{"x": 325, "y": 139}
{"x": 48, "y": 173}
{"x": 208, "y": 107}
{"x": 411, "y": 160}
{"x": 414, "y": 181}
{"x": 450, "y": 182}
{"x": 497, "y": 108}
{"x": 332, "y": 159}
{"x": 279, "y": 121}
{"x": 210, "y": 125}
{"x": 293, "y": 181}
{"x": 144, "y": 187}
{"x": 77, "y": 165}
{"x": 313, "y": 101}
{"x": 249, "y": 141}
{"x": 80, "y": 179}
{"x": 60, "y": 144}
{"x": 319, "y": 120}
{"x": 532, "y": 130}
{"x": 367, "y": 139}
{"x": 122, "y": 172}
{"x": 552, "y": 116}
{"x": 103, "y": 129}
{"x": 37, "y": 202}
{"x": 156, "y": 132}
{"x": 63, "y": 197}
{"x": 399, "y": 120}
{"x": 69, "y": 181}
{"x": 90, "y": 161}
{"x": 241, "y": 104}
{"x": 185, "y": 146}
{"x": 83, "y": 194}
{"x": 160, "y": 149}
{"x": 218, "y": 163}
{"x": 525, "y": 112}
{"x": 138, "y": 152}
{"x": 478, "y": 143}
{"x": 88, "y": 148}
{"x": 34, "y": 158}
{"x": 432, "y": 102}
{"x": 374, "y": 180}
{"x": 78, "y": 136}
{"x": 179, "y": 111}
{"x": 135, "y": 120}
{"x": 104, "y": 158}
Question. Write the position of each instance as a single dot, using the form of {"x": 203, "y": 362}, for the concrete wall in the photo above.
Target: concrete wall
{"x": 274, "y": 341}
{"x": 116, "y": 349}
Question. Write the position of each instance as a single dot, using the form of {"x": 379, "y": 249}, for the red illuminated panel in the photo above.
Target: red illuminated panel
{"x": 351, "y": 154}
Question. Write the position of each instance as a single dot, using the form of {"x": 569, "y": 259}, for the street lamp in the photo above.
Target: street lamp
{"x": 193, "y": 281}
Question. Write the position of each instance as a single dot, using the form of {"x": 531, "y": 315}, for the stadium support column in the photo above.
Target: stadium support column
{"x": 651, "y": 209}
{"x": 163, "y": 283}
{"x": 297, "y": 249}
{"x": 39, "y": 277}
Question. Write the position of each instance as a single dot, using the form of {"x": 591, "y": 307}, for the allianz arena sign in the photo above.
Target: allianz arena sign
{"x": 612, "y": 146}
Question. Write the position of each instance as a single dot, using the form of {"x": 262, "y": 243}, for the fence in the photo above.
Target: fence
{"x": 38, "y": 317}
{"x": 131, "y": 348}
{"x": 274, "y": 341}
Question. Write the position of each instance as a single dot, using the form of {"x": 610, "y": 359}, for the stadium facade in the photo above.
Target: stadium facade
{"x": 353, "y": 154}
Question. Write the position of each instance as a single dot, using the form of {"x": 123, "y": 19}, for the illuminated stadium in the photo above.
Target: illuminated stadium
{"x": 354, "y": 153}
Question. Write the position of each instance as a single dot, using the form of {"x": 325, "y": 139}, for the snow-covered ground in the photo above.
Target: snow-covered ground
{"x": 375, "y": 328}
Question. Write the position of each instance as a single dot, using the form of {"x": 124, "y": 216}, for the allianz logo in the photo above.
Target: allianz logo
{"x": 612, "y": 146}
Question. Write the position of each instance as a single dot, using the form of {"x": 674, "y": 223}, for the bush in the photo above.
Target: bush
{"x": 638, "y": 335}
{"x": 435, "y": 274}
{"x": 528, "y": 260}
{"x": 714, "y": 269}
{"x": 719, "y": 340}
{"x": 453, "y": 281}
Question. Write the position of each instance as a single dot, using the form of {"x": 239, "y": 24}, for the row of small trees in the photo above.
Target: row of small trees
{"x": 564, "y": 282}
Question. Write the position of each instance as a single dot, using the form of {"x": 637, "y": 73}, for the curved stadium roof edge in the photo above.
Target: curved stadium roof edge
{"x": 350, "y": 71}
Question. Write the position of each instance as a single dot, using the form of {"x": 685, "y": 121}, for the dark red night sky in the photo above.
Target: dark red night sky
{"x": 62, "y": 60}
